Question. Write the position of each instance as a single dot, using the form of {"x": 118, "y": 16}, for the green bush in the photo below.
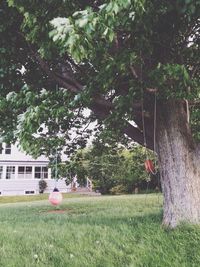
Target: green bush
{"x": 119, "y": 189}
{"x": 42, "y": 186}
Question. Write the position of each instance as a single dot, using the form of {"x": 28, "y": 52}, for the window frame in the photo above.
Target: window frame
{"x": 1, "y": 148}
{"x": 24, "y": 173}
{"x": 41, "y": 172}
{"x": 9, "y": 173}
{"x": 8, "y": 149}
{"x": 1, "y": 172}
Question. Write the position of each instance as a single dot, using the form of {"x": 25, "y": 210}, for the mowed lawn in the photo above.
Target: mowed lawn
{"x": 100, "y": 231}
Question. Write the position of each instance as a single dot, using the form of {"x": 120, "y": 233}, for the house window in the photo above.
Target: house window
{"x": 29, "y": 192}
{"x": 1, "y": 172}
{"x": 10, "y": 172}
{"x": 24, "y": 172}
{"x": 1, "y": 148}
{"x": 41, "y": 172}
{"x": 8, "y": 149}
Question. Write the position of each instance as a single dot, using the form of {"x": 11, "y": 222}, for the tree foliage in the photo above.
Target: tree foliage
{"x": 109, "y": 166}
{"x": 59, "y": 57}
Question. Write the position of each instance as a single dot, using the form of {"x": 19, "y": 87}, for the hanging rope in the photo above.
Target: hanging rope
{"x": 142, "y": 106}
{"x": 150, "y": 167}
{"x": 56, "y": 154}
{"x": 148, "y": 163}
{"x": 56, "y": 167}
{"x": 55, "y": 197}
{"x": 187, "y": 110}
{"x": 154, "y": 123}
{"x": 154, "y": 130}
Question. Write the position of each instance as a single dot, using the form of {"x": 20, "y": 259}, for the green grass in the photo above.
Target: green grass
{"x": 29, "y": 198}
{"x": 115, "y": 231}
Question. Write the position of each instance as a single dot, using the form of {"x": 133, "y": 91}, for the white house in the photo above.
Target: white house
{"x": 20, "y": 173}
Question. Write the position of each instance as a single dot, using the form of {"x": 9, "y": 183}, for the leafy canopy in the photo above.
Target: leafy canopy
{"x": 59, "y": 57}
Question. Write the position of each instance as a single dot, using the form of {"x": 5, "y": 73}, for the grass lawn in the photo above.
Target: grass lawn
{"x": 30, "y": 198}
{"x": 115, "y": 231}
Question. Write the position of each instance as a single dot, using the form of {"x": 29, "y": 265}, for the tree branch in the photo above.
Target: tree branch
{"x": 64, "y": 82}
{"x": 137, "y": 136}
{"x": 100, "y": 106}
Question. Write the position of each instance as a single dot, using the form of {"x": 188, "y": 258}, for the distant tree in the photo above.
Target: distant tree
{"x": 76, "y": 167}
{"x": 110, "y": 166}
{"x": 102, "y": 167}
{"x": 131, "y": 172}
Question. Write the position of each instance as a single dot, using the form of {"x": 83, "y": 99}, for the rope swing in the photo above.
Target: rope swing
{"x": 148, "y": 164}
{"x": 55, "y": 197}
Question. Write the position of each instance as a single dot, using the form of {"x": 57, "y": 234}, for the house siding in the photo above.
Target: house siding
{"x": 18, "y": 187}
{"x": 19, "y": 183}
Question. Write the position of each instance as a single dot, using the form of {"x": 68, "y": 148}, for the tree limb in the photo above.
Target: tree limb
{"x": 100, "y": 106}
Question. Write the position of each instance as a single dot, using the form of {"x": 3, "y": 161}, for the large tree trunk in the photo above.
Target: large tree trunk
{"x": 179, "y": 166}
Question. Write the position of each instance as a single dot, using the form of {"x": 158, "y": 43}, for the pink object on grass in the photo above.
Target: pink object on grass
{"x": 55, "y": 198}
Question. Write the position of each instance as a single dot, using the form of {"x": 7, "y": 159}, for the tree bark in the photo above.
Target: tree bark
{"x": 179, "y": 166}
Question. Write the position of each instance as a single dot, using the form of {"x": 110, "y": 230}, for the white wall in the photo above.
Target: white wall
{"x": 16, "y": 154}
{"x": 18, "y": 186}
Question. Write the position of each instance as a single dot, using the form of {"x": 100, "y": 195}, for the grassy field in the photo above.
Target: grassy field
{"x": 30, "y": 198}
{"x": 116, "y": 231}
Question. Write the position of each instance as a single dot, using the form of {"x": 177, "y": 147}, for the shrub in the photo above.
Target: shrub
{"x": 42, "y": 186}
{"x": 118, "y": 189}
